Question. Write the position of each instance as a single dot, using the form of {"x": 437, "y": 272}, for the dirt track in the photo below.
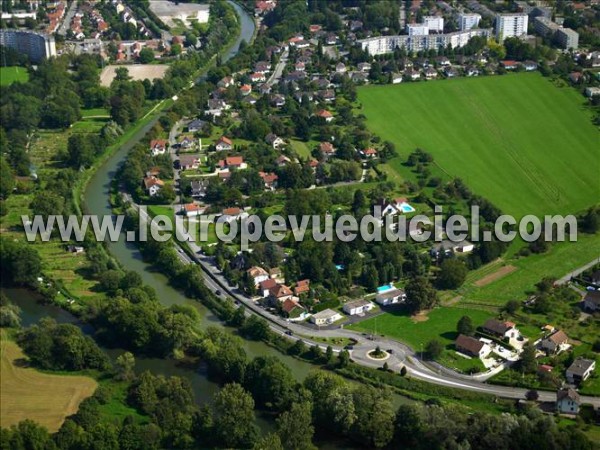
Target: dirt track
{"x": 136, "y": 71}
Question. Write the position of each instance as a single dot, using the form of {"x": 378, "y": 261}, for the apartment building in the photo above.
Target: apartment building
{"x": 510, "y": 25}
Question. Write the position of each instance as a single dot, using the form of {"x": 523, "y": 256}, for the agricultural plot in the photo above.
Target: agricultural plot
{"x": 29, "y": 394}
{"x": 518, "y": 140}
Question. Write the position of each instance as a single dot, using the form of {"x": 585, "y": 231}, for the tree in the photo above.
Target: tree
{"x": 434, "y": 349}
{"x": 295, "y": 427}
{"x": 270, "y": 382}
{"x": 234, "y": 420}
{"x": 407, "y": 426}
{"x": 47, "y": 203}
{"x": 532, "y": 395}
{"x": 465, "y": 326}
{"x": 374, "y": 416}
{"x": 420, "y": 294}
{"x": 343, "y": 358}
{"x": 146, "y": 55}
{"x": 7, "y": 179}
{"x": 512, "y": 306}
{"x": 269, "y": 442}
{"x": 452, "y": 274}
{"x": 125, "y": 365}
{"x": 528, "y": 363}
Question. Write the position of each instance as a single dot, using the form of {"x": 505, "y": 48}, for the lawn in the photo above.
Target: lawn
{"x": 8, "y": 75}
{"x": 29, "y": 394}
{"x": 560, "y": 260}
{"x": 440, "y": 324}
{"x": 507, "y": 137}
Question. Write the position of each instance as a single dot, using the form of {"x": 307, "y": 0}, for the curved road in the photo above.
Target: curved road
{"x": 401, "y": 355}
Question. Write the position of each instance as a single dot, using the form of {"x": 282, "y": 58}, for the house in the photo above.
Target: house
{"x": 245, "y": 90}
{"x": 233, "y": 214}
{"x": 530, "y": 65}
{"x": 359, "y": 77}
{"x": 340, "y": 67}
{"x": 300, "y": 66}
{"x": 327, "y": 148}
{"x": 500, "y": 329}
{"x": 189, "y": 162}
{"x": 396, "y": 78}
{"x": 262, "y": 67}
{"x": 75, "y": 249}
{"x": 257, "y": 77}
{"x": 186, "y": 142}
{"x": 269, "y": 179}
{"x": 193, "y": 209}
{"x": 153, "y": 185}
{"x": 450, "y": 72}
{"x": 580, "y": 370}
{"x": 326, "y": 95}
{"x": 390, "y": 297}
{"x": 325, "y": 115}
{"x": 447, "y": 247}
{"x": 567, "y": 401}
{"x": 472, "y": 71}
{"x": 369, "y": 152}
{"x": 224, "y": 143}
{"x": 196, "y": 125}
{"x": 199, "y": 187}
{"x": 216, "y": 107}
{"x": 277, "y": 100}
{"x": 575, "y": 77}
{"x": 274, "y": 141}
{"x": 356, "y": 307}
{"x": 364, "y": 67}
{"x": 280, "y": 292}
{"x": 325, "y": 317}
{"x": 331, "y": 39}
{"x": 276, "y": 274}
{"x": 282, "y": 161}
{"x": 555, "y": 343}
{"x": 158, "y": 147}
{"x": 430, "y": 73}
{"x": 302, "y": 287}
{"x": 225, "y": 82}
{"x": 265, "y": 286}
{"x": 592, "y": 92}
{"x": 509, "y": 64}
{"x": 595, "y": 278}
{"x": 232, "y": 163}
{"x": 591, "y": 301}
{"x": 292, "y": 309}
{"x": 412, "y": 75}
{"x": 471, "y": 346}
{"x": 258, "y": 275}
{"x": 442, "y": 61}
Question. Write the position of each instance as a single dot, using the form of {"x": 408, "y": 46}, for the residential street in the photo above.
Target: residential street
{"x": 402, "y": 355}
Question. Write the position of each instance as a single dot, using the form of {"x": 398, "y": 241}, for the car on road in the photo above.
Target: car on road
{"x": 288, "y": 332}
{"x": 218, "y": 292}
{"x": 349, "y": 347}
{"x": 390, "y": 351}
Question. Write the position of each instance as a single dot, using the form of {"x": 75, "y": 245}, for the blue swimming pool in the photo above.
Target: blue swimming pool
{"x": 406, "y": 208}
{"x": 384, "y": 288}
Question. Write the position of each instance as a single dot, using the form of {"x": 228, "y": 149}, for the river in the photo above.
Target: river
{"x": 96, "y": 201}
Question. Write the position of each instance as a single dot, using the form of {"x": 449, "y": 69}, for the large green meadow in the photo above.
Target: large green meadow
{"x": 520, "y": 141}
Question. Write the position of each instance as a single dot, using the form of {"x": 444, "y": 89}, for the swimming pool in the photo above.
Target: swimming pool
{"x": 384, "y": 288}
{"x": 406, "y": 208}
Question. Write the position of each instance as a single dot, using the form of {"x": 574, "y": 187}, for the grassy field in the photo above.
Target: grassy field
{"x": 438, "y": 324}
{"x": 29, "y": 394}
{"x": 8, "y": 75}
{"x": 560, "y": 260}
{"x": 507, "y": 137}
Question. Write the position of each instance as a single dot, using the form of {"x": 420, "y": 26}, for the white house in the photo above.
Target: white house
{"x": 153, "y": 185}
{"x": 567, "y": 401}
{"x": 360, "y": 306}
{"x": 471, "y": 346}
{"x": 258, "y": 274}
{"x": 193, "y": 209}
{"x": 580, "y": 370}
{"x": 223, "y": 144}
{"x": 390, "y": 297}
{"x": 555, "y": 343}
{"x": 274, "y": 140}
{"x": 325, "y": 317}
{"x": 158, "y": 147}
